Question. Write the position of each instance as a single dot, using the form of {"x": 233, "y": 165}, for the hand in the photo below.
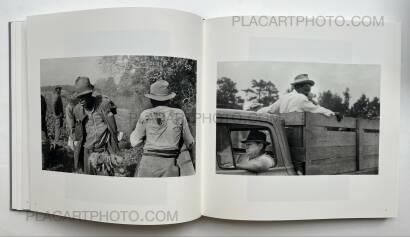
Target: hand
{"x": 339, "y": 116}
{"x": 70, "y": 144}
{"x": 120, "y": 135}
{"x": 227, "y": 166}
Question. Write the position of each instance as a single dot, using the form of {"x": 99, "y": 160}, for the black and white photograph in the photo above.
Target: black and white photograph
{"x": 297, "y": 118}
{"x": 121, "y": 115}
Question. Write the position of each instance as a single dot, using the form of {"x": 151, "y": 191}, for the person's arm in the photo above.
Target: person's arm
{"x": 138, "y": 135}
{"x": 308, "y": 106}
{"x": 254, "y": 165}
{"x": 186, "y": 133}
{"x": 111, "y": 110}
{"x": 242, "y": 158}
{"x": 272, "y": 109}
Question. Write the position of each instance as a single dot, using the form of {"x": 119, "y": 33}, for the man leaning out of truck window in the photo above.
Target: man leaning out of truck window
{"x": 255, "y": 159}
{"x": 298, "y": 100}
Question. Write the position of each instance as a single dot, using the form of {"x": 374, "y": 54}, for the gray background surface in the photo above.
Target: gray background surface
{"x": 18, "y": 223}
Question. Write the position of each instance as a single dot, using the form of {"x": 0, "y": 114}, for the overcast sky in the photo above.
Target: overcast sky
{"x": 64, "y": 71}
{"x": 335, "y": 77}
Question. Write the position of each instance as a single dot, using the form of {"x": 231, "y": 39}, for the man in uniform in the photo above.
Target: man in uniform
{"x": 255, "y": 159}
{"x": 162, "y": 130}
{"x": 58, "y": 112}
{"x": 95, "y": 128}
{"x": 298, "y": 99}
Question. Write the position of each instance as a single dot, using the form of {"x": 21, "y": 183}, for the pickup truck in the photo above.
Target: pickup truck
{"x": 310, "y": 143}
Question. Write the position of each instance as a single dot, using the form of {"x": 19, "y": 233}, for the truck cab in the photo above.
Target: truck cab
{"x": 312, "y": 144}
{"x": 233, "y": 127}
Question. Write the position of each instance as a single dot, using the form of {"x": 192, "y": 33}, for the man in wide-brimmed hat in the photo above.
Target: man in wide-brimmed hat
{"x": 298, "y": 100}
{"x": 256, "y": 159}
{"x": 162, "y": 130}
{"x": 94, "y": 129}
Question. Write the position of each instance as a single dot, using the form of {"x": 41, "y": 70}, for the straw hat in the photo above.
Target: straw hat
{"x": 159, "y": 91}
{"x": 302, "y": 79}
{"x": 83, "y": 86}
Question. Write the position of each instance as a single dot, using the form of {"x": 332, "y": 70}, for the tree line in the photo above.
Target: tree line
{"x": 265, "y": 92}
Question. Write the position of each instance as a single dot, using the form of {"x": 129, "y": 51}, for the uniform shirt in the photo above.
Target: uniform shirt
{"x": 295, "y": 102}
{"x": 161, "y": 128}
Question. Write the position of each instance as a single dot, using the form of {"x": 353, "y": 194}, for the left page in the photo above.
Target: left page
{"x": 113, "y": 137}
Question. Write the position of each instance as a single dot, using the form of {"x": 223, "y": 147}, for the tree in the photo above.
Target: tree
{"x": 374, "y": 108}
{"x": 346, "y": 101}
{"x": 264, "y": 92}
{"x": 226, "y": 94}
{"x": 332, "y": 101}
{"x": 360, "y": 109}
{"x": 106, "y": 86}
{"x": 137, "y": 73}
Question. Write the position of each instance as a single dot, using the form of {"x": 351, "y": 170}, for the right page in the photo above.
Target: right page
{"x": 303, "y": 115}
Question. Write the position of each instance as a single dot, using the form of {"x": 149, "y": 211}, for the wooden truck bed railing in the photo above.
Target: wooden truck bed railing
{"x": 322, "y": 145}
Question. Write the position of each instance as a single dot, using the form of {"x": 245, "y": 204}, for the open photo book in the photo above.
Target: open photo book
{"x": 149, "y": 116}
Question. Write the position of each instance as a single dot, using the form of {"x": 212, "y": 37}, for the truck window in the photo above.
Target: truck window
{"x": 239, "y": 149}
{"x": 229, "y": 146}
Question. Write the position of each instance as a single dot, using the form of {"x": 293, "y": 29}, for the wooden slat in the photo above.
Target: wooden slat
{"x": 297, "y": 154}
{"x": 368, "y": 124}
{"x": 372, "y": 171}
{"x": 295, "y": 136}
{"x": 370, "y": 149}
{"x": 321, "y": 137}
{"x": 368, "y": 144}
{"x": 331, "y": 147}
{"x": 369, "y": 161}
{"x": 294, "y": 118}
{"x": 324, "y": 121}
{"x": 369, "y": 139}
{"x": 332, "y": 166}
{"x": 319, "y": 153}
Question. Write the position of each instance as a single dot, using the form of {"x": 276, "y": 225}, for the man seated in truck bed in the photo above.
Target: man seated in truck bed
{"x": 297, "y": 100}
{"x": 255, "y": 159}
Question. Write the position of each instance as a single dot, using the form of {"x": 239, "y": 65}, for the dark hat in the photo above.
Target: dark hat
{"x": 302, "y": 79}
{"x": 159, "y": 91}
{"x": 57, "y": 88}
{"x": 256, "y": 136}
{"x": 83, "y": 86}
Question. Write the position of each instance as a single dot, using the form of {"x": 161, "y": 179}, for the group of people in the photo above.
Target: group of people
{"x": 299, "y": 99}
{"x": 162, "y": 131}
